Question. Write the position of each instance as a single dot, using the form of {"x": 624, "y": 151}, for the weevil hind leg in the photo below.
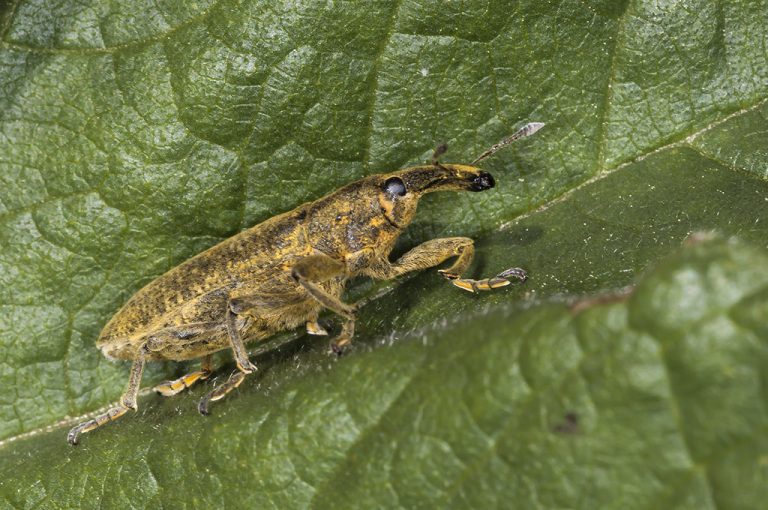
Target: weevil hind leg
{"x": 176, "y": 386}
{"x": 127, "y": 401}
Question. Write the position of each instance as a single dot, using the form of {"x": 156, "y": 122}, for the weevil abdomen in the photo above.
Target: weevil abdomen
{"x": 202, "y": 284}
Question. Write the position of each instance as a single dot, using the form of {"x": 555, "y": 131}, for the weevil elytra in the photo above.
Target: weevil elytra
{"x": 281, "y": 273}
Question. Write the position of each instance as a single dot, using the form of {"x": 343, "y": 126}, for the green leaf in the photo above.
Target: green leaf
{"x": 652, "y": 401}
{"x": 135, "y": 134}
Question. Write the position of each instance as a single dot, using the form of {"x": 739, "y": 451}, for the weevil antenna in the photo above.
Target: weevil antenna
{"x": 524, "y": 131}
{"x": 439, "y": 151}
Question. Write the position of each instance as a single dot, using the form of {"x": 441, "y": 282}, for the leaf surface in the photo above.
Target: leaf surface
{"x": 134, "y": 135}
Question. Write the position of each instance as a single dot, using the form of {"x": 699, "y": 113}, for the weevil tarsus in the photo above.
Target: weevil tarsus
{"x": 176, "y": 386}
{"x": 235, "y": 380}
{"x": 500, "y": 280}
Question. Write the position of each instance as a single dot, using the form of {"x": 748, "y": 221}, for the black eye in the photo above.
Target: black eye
{"x": 394, "y": 186}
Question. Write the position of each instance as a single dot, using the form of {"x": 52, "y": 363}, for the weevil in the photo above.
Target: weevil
{"x": 283, "y": 272}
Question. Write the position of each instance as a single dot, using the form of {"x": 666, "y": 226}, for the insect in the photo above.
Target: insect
{"x": 282, "y": 273}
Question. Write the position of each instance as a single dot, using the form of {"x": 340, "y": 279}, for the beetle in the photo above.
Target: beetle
{"x": 283, "y": 272}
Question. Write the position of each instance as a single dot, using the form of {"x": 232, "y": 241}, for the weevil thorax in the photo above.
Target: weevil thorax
{"x": 401, "y": 191}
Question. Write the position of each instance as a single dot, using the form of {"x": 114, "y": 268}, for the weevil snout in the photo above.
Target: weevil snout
{"x": 482, "y": 182}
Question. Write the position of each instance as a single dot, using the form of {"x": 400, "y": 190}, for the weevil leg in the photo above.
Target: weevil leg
{"x": 313, "y": 270}
{"x": 239, "y": 305}
{"x": 500, "y": 280}
{"x": 127, "y": 401}
{"x": 436, "y": 251}
{"x": 344, "y": 339}
{"x": 236, "y": 342}
{"x": 170, "y": 388}
{"x": 235, "y": 380}
{"x": 244, "y": 365}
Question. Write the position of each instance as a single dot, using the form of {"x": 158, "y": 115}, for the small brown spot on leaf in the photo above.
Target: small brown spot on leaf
{"x": 569, "y": 425}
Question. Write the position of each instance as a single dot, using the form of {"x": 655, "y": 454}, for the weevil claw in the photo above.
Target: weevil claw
{"x": 447, "y": 275}
{"x": 336, "y": 349}
{"x": 248, "y": 368}
{"x": 72, "y": 437}
{"x": 514, "y": 272}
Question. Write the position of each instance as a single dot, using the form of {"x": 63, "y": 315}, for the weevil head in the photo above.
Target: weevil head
{"x": 399, "y": 192}
{"x": 420, "y": 180}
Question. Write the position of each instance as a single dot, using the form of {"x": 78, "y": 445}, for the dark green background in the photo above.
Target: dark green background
{"x": 135, "y": 134}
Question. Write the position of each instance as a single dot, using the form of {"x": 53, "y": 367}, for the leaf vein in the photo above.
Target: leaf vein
{"x": 202, "y": 16}
{"x": 374, "y": 87}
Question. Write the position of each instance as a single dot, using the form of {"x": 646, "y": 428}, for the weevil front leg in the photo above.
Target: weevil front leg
{"x": 127, "y": 401}
{"x": 171, "y": 388}
{"x": 313, "y": 270}
{"x": 436, "y": 251}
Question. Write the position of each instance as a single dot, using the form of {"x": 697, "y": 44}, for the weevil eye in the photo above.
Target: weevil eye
{"x": 394, "y": 186}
